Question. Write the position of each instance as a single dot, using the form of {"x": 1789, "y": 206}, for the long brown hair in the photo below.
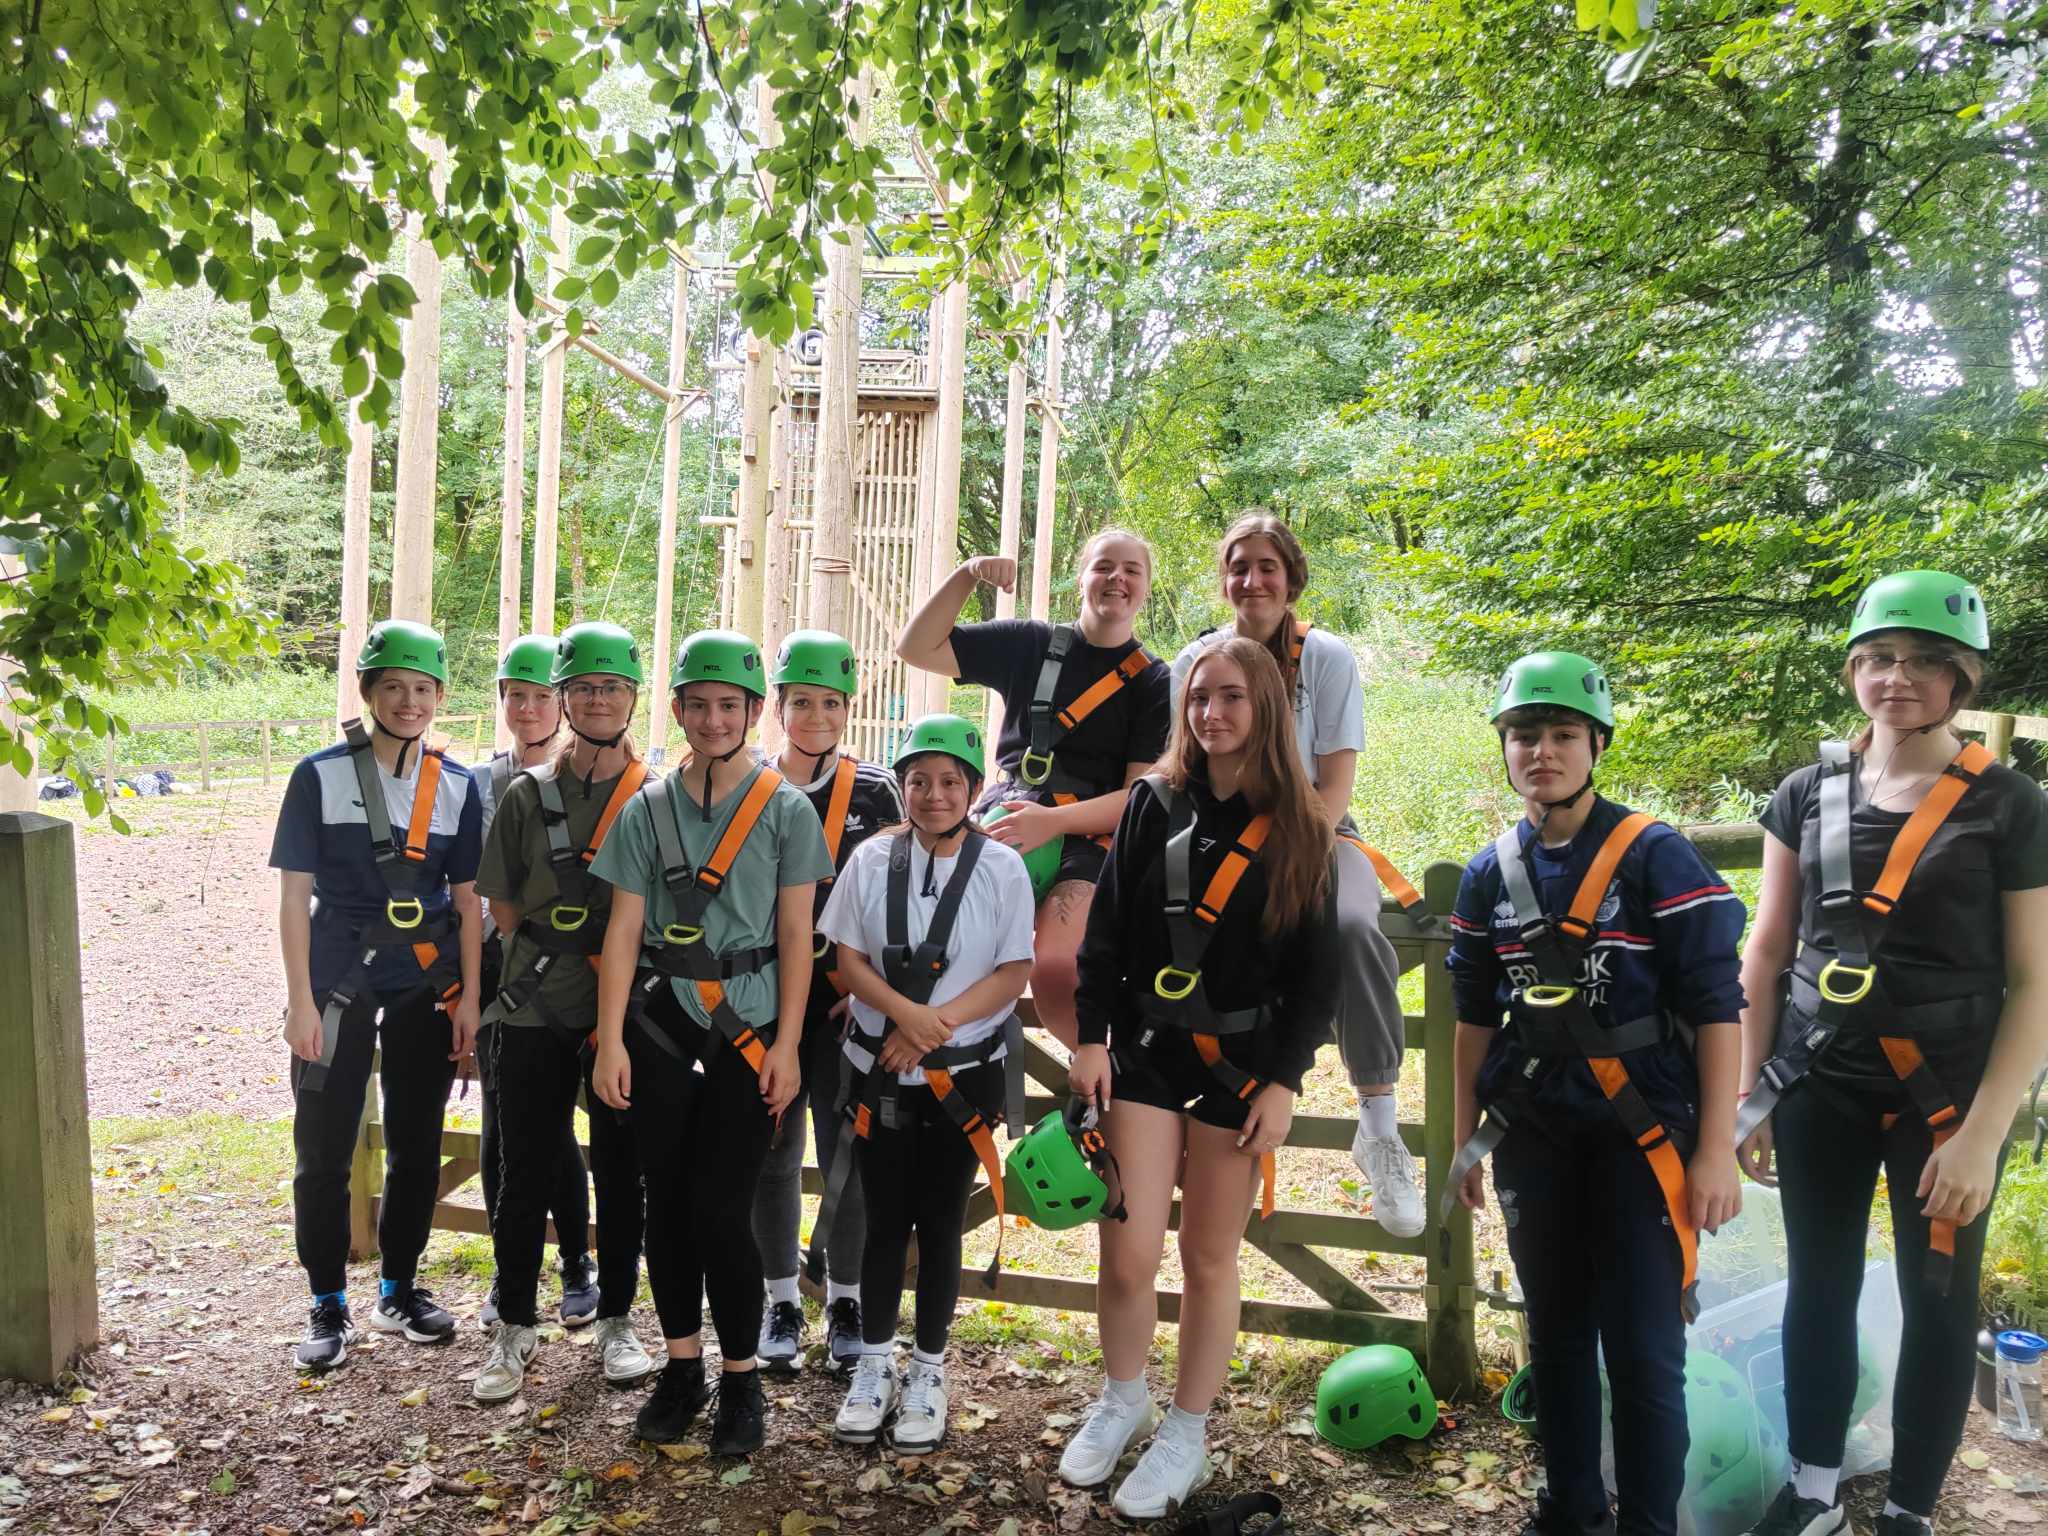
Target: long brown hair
{"x": 1258, "y": 523}
{"x": 1966, "y": 665}
{"x": 1272, "y": 780}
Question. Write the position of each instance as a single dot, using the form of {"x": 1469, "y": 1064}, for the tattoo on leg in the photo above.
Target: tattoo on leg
{"x": 1069, "y": 896}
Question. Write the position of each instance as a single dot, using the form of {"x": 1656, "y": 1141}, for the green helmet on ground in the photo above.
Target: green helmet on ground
{"x": 957, "y": 738}
{"x": 719, "y": 656}
{"x": 1042, "y": 863}
{"x": 1518, "y": 1401}
{"x": 1559, "y": 679}
{"x": 403, "y": 643}
{"x": 816, "y": 657}
{"x": 1869, "y": 1378}
{"x": 527, "y": 660}
{"x": 1720, "y": 1418}
{"x": 1369, "y": 1394}
{"x": 1049, "y": 1178}
{"x": 1933, "y": 602}
{"x": 596, "y": 649}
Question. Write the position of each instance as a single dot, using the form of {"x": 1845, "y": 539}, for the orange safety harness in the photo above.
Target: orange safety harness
{"x": 1854, "y": 921}
{"x": 404, "y": 913}
{"x": 1050, "y": 726}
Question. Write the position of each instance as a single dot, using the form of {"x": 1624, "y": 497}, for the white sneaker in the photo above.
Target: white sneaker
{"x": 511, "y": 1351}
{"x": 921, "y": 1415}
{"x": 620, "y": 1354}
{"x": 1170, "y": 1470}
{"x": 1389, "y": 1167}
{"x": 868, "y": 1401}
{"x": 1098, "y": 1445}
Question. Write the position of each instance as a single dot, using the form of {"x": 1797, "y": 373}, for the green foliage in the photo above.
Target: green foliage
{"x": 2016, "y": 1248}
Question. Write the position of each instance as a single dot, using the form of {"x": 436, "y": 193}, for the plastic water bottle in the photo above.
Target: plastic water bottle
{"x": 2019, "y": 1384}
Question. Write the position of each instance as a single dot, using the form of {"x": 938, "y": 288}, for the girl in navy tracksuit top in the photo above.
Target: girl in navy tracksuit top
{"x": 1600, "y": 1229}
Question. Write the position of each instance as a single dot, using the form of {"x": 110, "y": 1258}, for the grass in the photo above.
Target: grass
{"x": 2016, "y": 1251}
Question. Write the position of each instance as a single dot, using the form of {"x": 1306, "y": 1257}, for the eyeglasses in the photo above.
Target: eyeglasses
{"x": 581, "y": 692}
{"x": 1918, "y": 669}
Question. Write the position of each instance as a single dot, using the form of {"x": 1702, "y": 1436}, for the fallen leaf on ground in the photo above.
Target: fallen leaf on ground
{"x": 682, "y": 1452}
{"x": 739, "y": 1474}
{"x": 58, "y": 1415}
{"x": 801, "y": 1523}
{"x": 416, "y": 1398}
{"x": 225, "y": 1483}
{"x": 1976, "y": 1461}
{"x": 106, "y": 1493}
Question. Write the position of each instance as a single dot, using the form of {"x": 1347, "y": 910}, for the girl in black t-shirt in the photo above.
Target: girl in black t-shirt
{"x": 1104, "y": 723}
{"x": 1927, "y": 972}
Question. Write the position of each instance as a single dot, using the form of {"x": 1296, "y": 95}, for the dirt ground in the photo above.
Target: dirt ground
{"x": 189, "y": 1416}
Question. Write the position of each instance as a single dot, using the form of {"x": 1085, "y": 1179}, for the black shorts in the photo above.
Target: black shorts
{"x": 1169, "y": 1075}
{"x": 1081, "y": 858}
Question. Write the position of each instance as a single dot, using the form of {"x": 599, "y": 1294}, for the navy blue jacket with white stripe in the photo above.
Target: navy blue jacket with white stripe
{"x": 1669, "y": 931}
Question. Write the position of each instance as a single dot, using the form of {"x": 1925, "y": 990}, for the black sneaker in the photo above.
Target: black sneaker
{"x": 739, "y": 1428}
{"x": 1552, "y": 1521}
{"x": 579, "y": 1291}
{"x": 679, "y": 1395}
{"x": 1790, "y": 1515}
{"x": 488, "y": 1313}
{"x": 782, "y": 1339}
{"x": 328, "y": 1336}
{"x": 413, "y": 1312}
{"x": 842, "y": 1333}
{"x": 1901, "y": 1524}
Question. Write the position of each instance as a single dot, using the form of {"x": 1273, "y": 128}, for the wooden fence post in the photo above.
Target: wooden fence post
{"x": 1453, "y": 1300}
{"x": 1998, "y": 737}
{"x": 49, "y": 1306}
{"x": 266, "y": 754}
{"x": 110, "y": 767}
{"x": 205, "y": 760}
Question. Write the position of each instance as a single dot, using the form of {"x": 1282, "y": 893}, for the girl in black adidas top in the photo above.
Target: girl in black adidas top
{"x": 1956, "y": 1015}
{"x": 1118, "y": 699}
{"x": 1197, "y": 1058}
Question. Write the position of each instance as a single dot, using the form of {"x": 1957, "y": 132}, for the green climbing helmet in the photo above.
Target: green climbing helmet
{"x": 1369, "y": 1394}
{"x": 526, "y": 660}
{"x": 1932, "y": 602}
{"x": 957, "y": 738}
{"x": 1042, "y": 863}
{"x": 403, "y": 643}
{"x": 1562, "y": 679}
{"x": 1720, "y": 1417}
{"x": 594, "y": 649}
{"x": 1051, "y": 1177}
{"x": 1518, "y": 1401}
{"x": 1869, "y": 1378}
{"x": 817, "y": 657}
{"x": 719, "y": 656}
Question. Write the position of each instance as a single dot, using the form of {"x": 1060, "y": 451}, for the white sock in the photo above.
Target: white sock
{"x": 1128, "y": 1393}
{"x": 780, "y": 1291}
{"x": 924, "y": 1359}
{"x": 1376, "y": 1114}
{"x": 1189, "y": 1428}
{"x": 1892, "y": 1507}
{"x": 884, "y": 1350}
{"x": 834, "y": 1290}
{"x": 1816, "y": 1483}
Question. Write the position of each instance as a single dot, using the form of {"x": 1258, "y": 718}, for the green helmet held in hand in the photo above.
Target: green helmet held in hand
{"x": 1933, "y": 602}
{"x": 719, "y": 656}
{"x": 817, "y": 657}
{"x": 1369, "y": 1394}
{"x": 955, "y": 737}
{"x": 596, "y": 649}
{"x": 1042, "y": 863}
{"x": 1050, "y": 1178}
{"x": 403, "y": 643}
{"x": 1559, "y": 679}
{"x": 527, "y": 660}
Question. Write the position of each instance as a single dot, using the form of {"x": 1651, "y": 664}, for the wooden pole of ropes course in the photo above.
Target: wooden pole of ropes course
{"x": 671, "y": 469}
{"x": 830, "y": 604}
{"x": 950, "y": 351}
{"x": 355, "y": 562}
{"x": 1010, "y": 538}
{"x": 512, "y": 496}
{"x": 412, "y": 522}
{"x": 547, "y": 487}
{"x": 1048, "y": 456}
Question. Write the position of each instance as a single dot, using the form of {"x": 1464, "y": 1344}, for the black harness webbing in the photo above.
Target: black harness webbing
{"x": 1050, "y": 727}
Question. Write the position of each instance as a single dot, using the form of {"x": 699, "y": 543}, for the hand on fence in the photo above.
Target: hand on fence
{"x": 1088, "y": 1075}
{"x": 1755, "y": 1156}
{"x": 302, "y": 1030}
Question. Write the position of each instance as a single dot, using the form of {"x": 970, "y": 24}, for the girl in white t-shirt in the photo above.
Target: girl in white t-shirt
{"x": 1264, "y": 572}
{"x": 933, "y": 924}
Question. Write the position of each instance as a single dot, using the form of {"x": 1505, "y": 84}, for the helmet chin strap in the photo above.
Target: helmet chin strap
{"x": 377, "y": 724}
{"x": 709, "y": 763}
{"x": 817, "y": 758}
{"x": 1569, "y": 800}
{"x": 931, "y": 864}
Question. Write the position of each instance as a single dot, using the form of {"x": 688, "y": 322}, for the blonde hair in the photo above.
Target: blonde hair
{"x": 1111, "y": 532}
{"x": 1965, "y": 663}
{"x": 1297, "y": 852}
{"x": 1258, "y": 523}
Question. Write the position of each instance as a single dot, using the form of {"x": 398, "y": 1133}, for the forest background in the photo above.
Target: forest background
{"x": 1659, "y": 356}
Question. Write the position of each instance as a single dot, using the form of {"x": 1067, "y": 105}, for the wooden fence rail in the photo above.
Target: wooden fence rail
{"x": 206, "y": 732}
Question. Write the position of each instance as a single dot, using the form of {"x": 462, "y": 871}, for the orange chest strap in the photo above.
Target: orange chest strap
{"x": 711, "y": 874}
{"x": 1578, "y": 921}
{"x": 1298, "y": 640}
{"x": 424, "y": 793}
{"x": 1103, "y": 689}
{"x": 837, "y": 805}
{"x": 1236, "y": 863}
{"x": 627, "y": 787}
{"x": 1941, "y": 799}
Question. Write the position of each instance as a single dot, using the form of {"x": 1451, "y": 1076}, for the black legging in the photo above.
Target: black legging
{"x": 1830, "y": 1142}
{"x": 918, "y": 1176}
{"x": 621, "y": 1200}
{"x": 563, "y": 1178}
{"x": 414, "y": 1073}
{"x": 702, "y": 1139}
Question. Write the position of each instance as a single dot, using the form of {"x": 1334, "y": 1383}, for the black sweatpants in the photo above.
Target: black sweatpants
{"x": 778, "y": 1201}
{"x": 563, "y": 1178}
{"x": 1830, "y": 1142}
{"x": 621, "y": 1199}
{"x": 414, "y": 1074}
{"x": 1601, "y": 1270}
{"x": 702, "y": 1136}
{"x": 918, "y": 1177}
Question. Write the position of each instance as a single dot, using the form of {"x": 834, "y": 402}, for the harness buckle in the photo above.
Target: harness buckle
{"x": 567, "y": 919}
{"x": 1864, "y": 976}
{"x": 681, "y": 933}
{"x": 1548, "y": 995}
{"x": 1174, "y": 990}
{"x": 1771, "y": 1074}
{"x": 1029, "y": 769}
{"x": 709, "y": 880}
{"x": 1575, "y": 929}
{"x": 404, "y": 914}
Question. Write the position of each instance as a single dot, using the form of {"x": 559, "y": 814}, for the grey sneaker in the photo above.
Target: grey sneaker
{"x": 620, "y": 1354}
{"x": 511, "y": 1351}
{"x": 869, "y": 1401}
{"x": 1396, "y": 1191}
{"x": 920, "y": 1422}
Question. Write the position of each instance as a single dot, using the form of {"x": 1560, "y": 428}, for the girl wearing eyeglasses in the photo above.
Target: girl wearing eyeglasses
{"x": 1896, "y": 1012}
